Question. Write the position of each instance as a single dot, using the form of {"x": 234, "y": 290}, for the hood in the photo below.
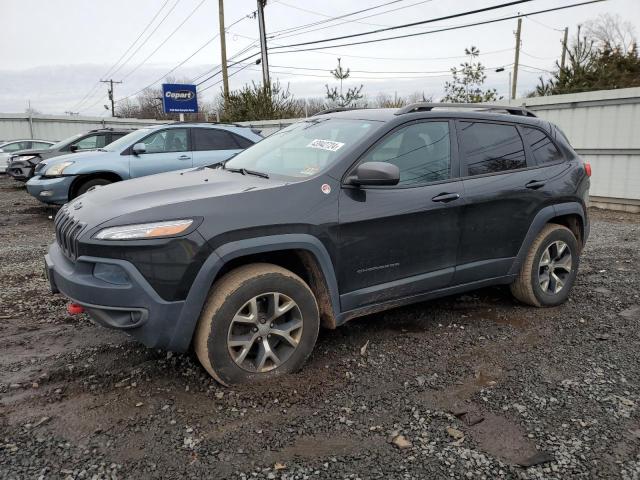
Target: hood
{"x": 59, "y": 158}
{"x": 34, "y": 151}
{"x": 38, "y": 154}
{"x": 157, "y": 194}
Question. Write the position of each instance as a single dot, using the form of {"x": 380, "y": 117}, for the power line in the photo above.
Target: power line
{"x": 367, "y": 57}
{"x": 166, "y": 39}
{"x": 287, "y": 35}
{"x": 329, "y": 17}
{"x": 97, "y": 84}
{"x": 230, "y": 75}
{"x": 423, "y": 74}
{"x": 208, "y": 42}
{"x": 485, "y": 22}
{"x": 413, "y": 24}
{"x": 544, "y": 24}
{"x": 147, "y": 39}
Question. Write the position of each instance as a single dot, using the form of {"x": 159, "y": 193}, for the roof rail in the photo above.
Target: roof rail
{"x": 427, "y": 107}
{"x": 336, "y": 109}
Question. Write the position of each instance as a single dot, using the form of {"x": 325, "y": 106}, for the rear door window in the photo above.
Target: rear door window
{"x": 213, "y": 139}
{"x": 490, "y": 148}
{"x": 544, "y": 150}
{"x": 40, "y": 145}
{"x": 91, "y": 142}
{"x": 15, "y": 146}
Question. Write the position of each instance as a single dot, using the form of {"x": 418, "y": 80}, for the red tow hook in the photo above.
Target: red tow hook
{"x": 75, "y": 309}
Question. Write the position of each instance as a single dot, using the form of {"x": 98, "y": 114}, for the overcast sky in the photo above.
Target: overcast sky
{"x": 53, "y": 52}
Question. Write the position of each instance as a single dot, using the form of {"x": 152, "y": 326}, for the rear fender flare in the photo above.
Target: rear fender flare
{"x": 185, "y": 326}
{"x": 539, "y": 221}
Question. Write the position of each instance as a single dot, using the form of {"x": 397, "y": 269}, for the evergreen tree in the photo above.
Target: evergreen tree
{"x": 468, "y": 78}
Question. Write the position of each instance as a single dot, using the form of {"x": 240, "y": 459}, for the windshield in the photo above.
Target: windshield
{"x": 66, "y": 141}
{"x": 304, "y": 148}
{"x": 126, "y": 141}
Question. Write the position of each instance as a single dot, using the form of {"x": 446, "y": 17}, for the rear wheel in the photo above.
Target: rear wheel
{"x": 550, "y": 268}
{"x": 85, "y": 186}
{"x": 259, "y": 321}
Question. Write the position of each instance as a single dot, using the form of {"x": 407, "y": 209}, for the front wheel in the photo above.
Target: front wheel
{"x": 87, "y": 185}
{"x": 259, "y": 321}
{"x": 549, "y": 269}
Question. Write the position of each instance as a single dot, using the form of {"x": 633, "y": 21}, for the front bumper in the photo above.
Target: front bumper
{"x": 22, "y": 171}
{"x": 133, "y": 307}
{"x": 51, "y": 190}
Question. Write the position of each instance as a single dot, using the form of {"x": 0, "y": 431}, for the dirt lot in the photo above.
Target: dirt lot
{"x": 477, "y": 385}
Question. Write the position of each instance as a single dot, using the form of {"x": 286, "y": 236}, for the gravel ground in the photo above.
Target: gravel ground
{"x": 472, "y": 386}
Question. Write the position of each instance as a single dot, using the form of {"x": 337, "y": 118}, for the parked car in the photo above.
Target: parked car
{"x": 22, "y": 164}
{"x": 337, "y": 216}
{"x": 143, "y": 152}
{"x": 7, "y": 149}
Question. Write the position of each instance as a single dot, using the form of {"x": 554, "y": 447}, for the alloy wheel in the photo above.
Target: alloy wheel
{"x": 554, "y": 268}
{"x": 265, "y": 332}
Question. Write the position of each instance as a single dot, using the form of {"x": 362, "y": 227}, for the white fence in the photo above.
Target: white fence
{"x": 58, "y": 127}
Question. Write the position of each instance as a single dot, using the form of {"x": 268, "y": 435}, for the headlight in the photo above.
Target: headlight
{"x": 57, "y": 169}
{"x": 23, "y": 157}
{"x": 144, "y": 230}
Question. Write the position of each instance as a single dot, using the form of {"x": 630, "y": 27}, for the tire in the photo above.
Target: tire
{"x": 530, "y": 286}
{"x": 232, "y": 330}
{"x": 86, "y": 185}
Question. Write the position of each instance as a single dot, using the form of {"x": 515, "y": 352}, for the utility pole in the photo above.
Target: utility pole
{"x": 263, "y": 44}
{"x": 110, "y": 92}
{"x": 564, "y": 50}
{"x": 517, "y": 60}
{"x": 223, "y": 50}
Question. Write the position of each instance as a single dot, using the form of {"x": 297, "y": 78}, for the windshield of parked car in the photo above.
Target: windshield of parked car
{"x": 304, "y": 148}
{"x": 66, "y": 141}
{"x": 128, "y": 140}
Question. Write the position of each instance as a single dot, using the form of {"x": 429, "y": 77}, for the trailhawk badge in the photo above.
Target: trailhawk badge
{"x": 326, "y": 188}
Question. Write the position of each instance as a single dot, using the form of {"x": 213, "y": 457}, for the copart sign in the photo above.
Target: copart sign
{"x": 179, "y": 98}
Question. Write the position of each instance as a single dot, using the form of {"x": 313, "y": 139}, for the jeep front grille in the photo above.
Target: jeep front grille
{"x": 67, "y": 231}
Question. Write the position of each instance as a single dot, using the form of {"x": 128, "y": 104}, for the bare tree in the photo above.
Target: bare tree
{"x": 610, "y": 32}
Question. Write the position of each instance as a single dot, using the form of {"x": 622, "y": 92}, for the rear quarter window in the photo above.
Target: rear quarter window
{"x": 543, "y": 149}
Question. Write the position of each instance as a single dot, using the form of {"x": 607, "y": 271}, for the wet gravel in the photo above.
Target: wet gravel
{"x": 472, "y": 386}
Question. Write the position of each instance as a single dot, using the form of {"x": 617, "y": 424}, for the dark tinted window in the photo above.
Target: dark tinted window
{"x": 421, "y": 151}
{"x": 241, "y": 141}
{"x": 212, "y": 139}
{"x": 491, "y": 147}
{"x": 544, "y": 151}
{"x": 116, "y": 136}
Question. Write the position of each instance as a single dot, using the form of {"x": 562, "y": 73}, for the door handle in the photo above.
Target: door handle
{"x": 184, "y": 157}
{"x": 535, "y": 184}
{"x": 446, "y": 197}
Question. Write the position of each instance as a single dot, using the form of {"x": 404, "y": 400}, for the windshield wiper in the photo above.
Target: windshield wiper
{"x": 244, "y": 171}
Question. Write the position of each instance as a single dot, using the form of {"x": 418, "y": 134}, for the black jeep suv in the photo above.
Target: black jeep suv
{"x": 337, "y": 216}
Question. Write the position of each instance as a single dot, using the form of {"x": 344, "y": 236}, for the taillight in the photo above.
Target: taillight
{"x": 587, "y": 168}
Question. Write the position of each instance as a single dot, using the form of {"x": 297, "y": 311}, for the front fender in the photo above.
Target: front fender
{"x": 183, "y": 331}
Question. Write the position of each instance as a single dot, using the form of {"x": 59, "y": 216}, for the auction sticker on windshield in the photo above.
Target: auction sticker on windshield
{"x": 326, "y": 145}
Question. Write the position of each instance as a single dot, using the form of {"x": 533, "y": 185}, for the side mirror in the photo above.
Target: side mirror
{"x": 139, "y": 148}
{"x": 74, "y": 148}
{"x": 375, "y": 173}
